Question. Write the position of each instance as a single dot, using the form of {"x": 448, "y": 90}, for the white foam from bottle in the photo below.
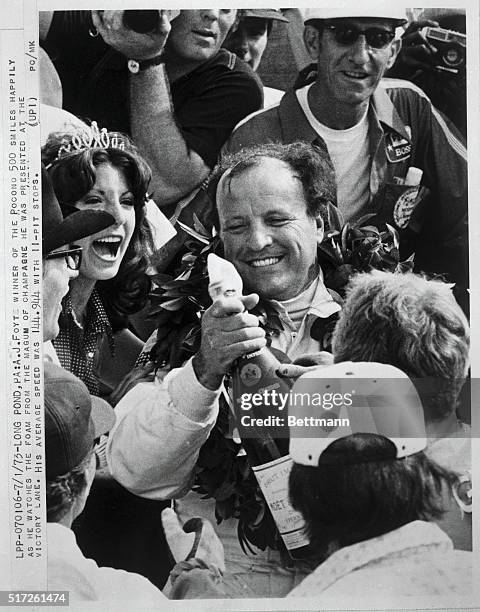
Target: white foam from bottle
{"x": 224, "y": 279}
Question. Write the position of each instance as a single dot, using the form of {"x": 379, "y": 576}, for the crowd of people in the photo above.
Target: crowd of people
{"x": 156, "y": 123}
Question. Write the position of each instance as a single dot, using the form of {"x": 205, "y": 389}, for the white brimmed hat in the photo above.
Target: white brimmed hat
{"x": 345, "y": 11}
{"x": 336, "y": 401}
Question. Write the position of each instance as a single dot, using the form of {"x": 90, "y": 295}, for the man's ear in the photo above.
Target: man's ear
{"x": 234, "y": 26}
{"x": 81, "y": 498}
{"x": 311, "y": 39}
{"x": 394, "y": 51}
{"x": 320, "y": 229}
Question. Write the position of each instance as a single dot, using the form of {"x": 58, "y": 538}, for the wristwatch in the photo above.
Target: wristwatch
{"x": 136, "y": 66}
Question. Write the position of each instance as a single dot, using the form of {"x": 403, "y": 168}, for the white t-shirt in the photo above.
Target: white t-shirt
{"x": 349, "y": 152}
{"x": 271, "y": 96}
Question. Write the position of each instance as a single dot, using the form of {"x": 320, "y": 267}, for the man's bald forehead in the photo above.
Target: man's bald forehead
{"x": 237, "y": 171}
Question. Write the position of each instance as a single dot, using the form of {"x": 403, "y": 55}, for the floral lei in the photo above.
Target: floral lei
{"x": 177, "y": 304}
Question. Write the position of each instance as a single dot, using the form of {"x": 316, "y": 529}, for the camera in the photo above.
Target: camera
{"x": 141, "y": 21}
{"x": 144, "y": 21}
{"x": 451, "y": 48}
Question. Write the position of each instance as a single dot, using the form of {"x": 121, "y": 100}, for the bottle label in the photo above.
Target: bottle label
{"x": 404, "y": 207}
{"x": 255, "y": 375}
{"x": 273, "y": 480}
{"x": 250, "y": 374}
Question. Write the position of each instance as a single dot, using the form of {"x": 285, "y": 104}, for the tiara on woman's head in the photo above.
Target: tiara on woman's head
{"x": 89, "y": 137}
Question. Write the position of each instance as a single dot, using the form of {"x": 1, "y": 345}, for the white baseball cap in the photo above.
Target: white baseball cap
{"x": 344, "y": 11}
{"x": 336, "y": 401}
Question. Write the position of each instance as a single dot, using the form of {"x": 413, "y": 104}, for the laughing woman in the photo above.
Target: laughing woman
{"x": 102, "y": 171}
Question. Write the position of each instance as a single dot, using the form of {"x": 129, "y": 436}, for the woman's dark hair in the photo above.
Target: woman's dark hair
{"x": 73, "y": 175}
{"x": 366, "y": 493}
{"x": 63, "y": 490}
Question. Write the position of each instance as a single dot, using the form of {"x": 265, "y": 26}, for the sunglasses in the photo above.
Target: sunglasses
{"x": 347, "y": 34}
{"x": 73, "y": 257}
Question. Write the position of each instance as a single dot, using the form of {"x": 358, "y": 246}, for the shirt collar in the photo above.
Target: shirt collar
{"x": 322, "y": 305}
{"x": 382, "y": 108}
{"x": 350, "y": 558}
{"x": 62, "y": 539}
{"x": 49, "y": 353}
{"x": 96, "y": 317}
{"x": 299, "y": 128}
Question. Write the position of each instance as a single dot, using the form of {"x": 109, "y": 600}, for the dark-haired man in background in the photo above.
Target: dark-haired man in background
{"x": 249, "y": 39}
{"x": 173, "y": 89}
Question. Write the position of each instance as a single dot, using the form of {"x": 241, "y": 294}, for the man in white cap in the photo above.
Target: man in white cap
{"x": 375, "y": 129}
{"x": 416, "y": 325}
{"x": 368, "y": 493}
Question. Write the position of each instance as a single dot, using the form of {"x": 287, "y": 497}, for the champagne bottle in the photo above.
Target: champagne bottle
{"x": 260, "y": 409}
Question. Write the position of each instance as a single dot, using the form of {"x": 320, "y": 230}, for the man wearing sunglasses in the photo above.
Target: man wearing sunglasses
{"x": 375, "y": 129}
{"x": 61, "y": 257}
